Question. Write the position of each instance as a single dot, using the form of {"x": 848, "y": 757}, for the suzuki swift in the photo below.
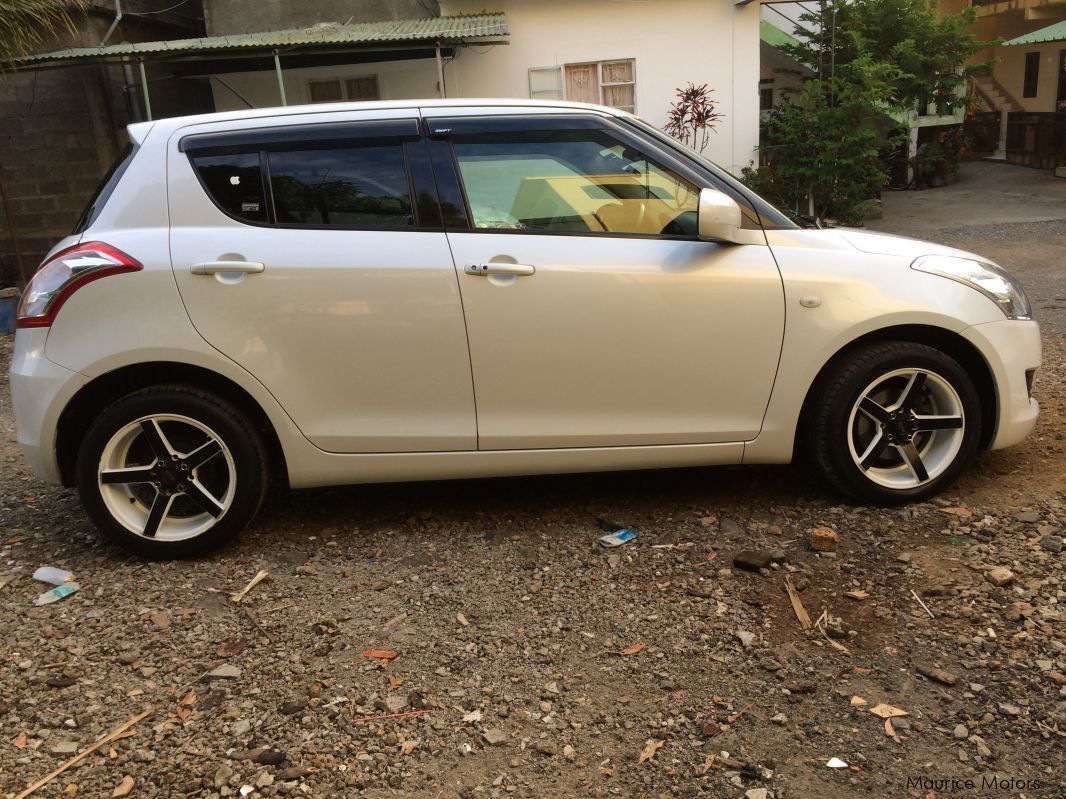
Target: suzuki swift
{"x": 419, "y": 290}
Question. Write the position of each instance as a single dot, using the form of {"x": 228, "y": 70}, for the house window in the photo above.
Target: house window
{"x": 337, "y": 90}
{"x": 766, "y": 98}
{"x": 546, "y": 83}
{"x": 1032, "y": 74}
{"x": 610, "y": 83}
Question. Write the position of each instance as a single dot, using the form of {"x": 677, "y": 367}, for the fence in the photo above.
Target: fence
{"x": 1037, "y": 139}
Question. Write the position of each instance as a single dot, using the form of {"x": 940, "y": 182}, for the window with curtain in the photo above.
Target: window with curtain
{"x": 610, "y": 83}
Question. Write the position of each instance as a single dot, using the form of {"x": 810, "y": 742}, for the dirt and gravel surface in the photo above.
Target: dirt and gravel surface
{"x": 531, "y": 662}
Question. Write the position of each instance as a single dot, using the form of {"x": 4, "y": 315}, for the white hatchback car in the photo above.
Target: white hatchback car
{"x": 421, "y": 290}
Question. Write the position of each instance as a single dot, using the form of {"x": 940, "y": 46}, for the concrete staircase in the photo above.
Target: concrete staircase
{"x": 998, "y": 99}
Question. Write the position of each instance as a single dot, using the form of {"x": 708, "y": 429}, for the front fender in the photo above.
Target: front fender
{"x": 836, "y": 295}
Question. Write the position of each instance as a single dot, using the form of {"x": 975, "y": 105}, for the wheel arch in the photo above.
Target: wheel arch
{"x": 947, "y": 341}
{"x": 104, "y": 390}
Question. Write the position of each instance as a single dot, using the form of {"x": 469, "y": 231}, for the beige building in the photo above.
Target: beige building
{"x": 1028, "y": 71}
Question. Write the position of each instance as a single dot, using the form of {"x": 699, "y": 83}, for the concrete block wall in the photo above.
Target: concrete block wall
{"x": 58, "y": 137}
{"x": 62, "y": 128}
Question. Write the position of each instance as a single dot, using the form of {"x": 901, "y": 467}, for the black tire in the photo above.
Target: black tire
{"x": 237, "y": 472}
{"x": 839, "y": 433}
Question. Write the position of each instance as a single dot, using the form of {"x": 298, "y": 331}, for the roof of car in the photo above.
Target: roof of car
{"x": 139, "y": 130}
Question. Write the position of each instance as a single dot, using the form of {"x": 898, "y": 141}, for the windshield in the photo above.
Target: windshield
{"x": 772, "y": 218}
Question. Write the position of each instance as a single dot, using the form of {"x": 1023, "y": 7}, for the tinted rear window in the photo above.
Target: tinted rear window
{"x": 356, "y": 185}
{"x": 349, "y": 187}
{"x": 235, "y": 183}
{"x": 103, "y": 191}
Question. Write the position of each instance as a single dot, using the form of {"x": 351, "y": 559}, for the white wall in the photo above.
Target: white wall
{"x": 673, "y": 42}
{"x": 397, "y": 80}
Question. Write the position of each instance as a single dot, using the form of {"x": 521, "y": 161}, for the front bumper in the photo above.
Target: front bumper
{"x": 1012, "y": 349}
{"x": 40, "y": 390}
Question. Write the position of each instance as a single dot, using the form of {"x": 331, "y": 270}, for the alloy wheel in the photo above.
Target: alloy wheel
{"x": 167, "y": 477}
{"x": 906, "y": 428}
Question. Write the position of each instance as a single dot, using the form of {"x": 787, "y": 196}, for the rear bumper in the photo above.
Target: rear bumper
{"x": 40, "y": 390}
{"x": 1012, "y": 349}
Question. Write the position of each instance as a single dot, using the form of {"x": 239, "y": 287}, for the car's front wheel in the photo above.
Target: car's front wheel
{"x": 894, "y": 422}
{"x": 171, "y": 471}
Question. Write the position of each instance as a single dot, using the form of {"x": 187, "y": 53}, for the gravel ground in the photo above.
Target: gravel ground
{"x": 533, "y": 662}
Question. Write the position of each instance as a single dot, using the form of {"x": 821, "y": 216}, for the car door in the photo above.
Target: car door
{"x": 313, "y": 255}
{"x": 596, "y": 317}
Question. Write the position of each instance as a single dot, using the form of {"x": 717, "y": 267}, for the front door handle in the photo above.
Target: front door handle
{"x": 227, "y": 268}
{"x": 518, "y": 270}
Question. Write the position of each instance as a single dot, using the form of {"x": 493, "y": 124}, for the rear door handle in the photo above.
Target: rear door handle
{"x": 519, "y": 270}
{"x": 227, "y": 267}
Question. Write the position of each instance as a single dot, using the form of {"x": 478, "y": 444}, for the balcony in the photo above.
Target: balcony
{"x": 1026, "y": 9}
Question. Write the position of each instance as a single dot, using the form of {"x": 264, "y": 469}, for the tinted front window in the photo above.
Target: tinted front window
{"x": 234, "y": 183}
{"x": 764, "y": 215}
{"x": 345, "y": 187}
{"x": 571, "y": 181}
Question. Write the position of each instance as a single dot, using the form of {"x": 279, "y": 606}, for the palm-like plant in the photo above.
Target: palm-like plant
{"x": 26, "y": 24}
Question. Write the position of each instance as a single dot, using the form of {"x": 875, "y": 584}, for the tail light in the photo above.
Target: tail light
{"x": 66, "y": 272}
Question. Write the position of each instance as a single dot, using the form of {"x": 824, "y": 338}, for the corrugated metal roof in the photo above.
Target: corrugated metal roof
{"x": 1052, "y": 33}
{"x": 447, "y": 30}
{"x": 773, "y": 35}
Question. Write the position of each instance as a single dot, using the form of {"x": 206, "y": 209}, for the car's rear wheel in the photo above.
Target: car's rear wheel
{"x": 895, "y": 422}
{"x": 171, "y": 472}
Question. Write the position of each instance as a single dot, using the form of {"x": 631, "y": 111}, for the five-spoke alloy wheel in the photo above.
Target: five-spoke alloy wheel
{"x": 895, "y": 422}
{"x": 171, "y": 472}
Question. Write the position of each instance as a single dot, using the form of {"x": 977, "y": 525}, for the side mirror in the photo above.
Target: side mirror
{"x": 720, "y": 219}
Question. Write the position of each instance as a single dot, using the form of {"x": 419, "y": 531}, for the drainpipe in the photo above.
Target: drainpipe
{"x": 114, "y": 24}
{"x": 144, "y": 90}
{"x": 440, "y": 73}
{"x": 281, "y": 83}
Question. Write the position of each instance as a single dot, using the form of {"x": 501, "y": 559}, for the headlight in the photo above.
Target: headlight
{"x": 991, "y": 280}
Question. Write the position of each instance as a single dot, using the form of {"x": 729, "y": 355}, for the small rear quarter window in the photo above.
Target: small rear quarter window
{"x": 235, "y": 183}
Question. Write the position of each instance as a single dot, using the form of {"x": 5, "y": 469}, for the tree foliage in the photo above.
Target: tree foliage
{"x": 928, "y": 52}
{"x": 870, "y": 59}
{"x": 27, "y": 24}
{"x": 823, "y": 156}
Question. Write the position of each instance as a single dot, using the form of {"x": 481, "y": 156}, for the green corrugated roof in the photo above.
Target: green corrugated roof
{"x": 447, "y": 30}
{"x": 1052, "y": 33}
{"x": 773, "y": 35}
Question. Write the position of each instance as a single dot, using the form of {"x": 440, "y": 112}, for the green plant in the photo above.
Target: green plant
{"x": 821, "y": 150}
{"x": 27, "y": 24}
{"x": 940, "y": 157}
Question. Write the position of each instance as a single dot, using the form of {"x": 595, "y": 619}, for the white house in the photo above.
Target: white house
{"x": 633, "y": 54}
